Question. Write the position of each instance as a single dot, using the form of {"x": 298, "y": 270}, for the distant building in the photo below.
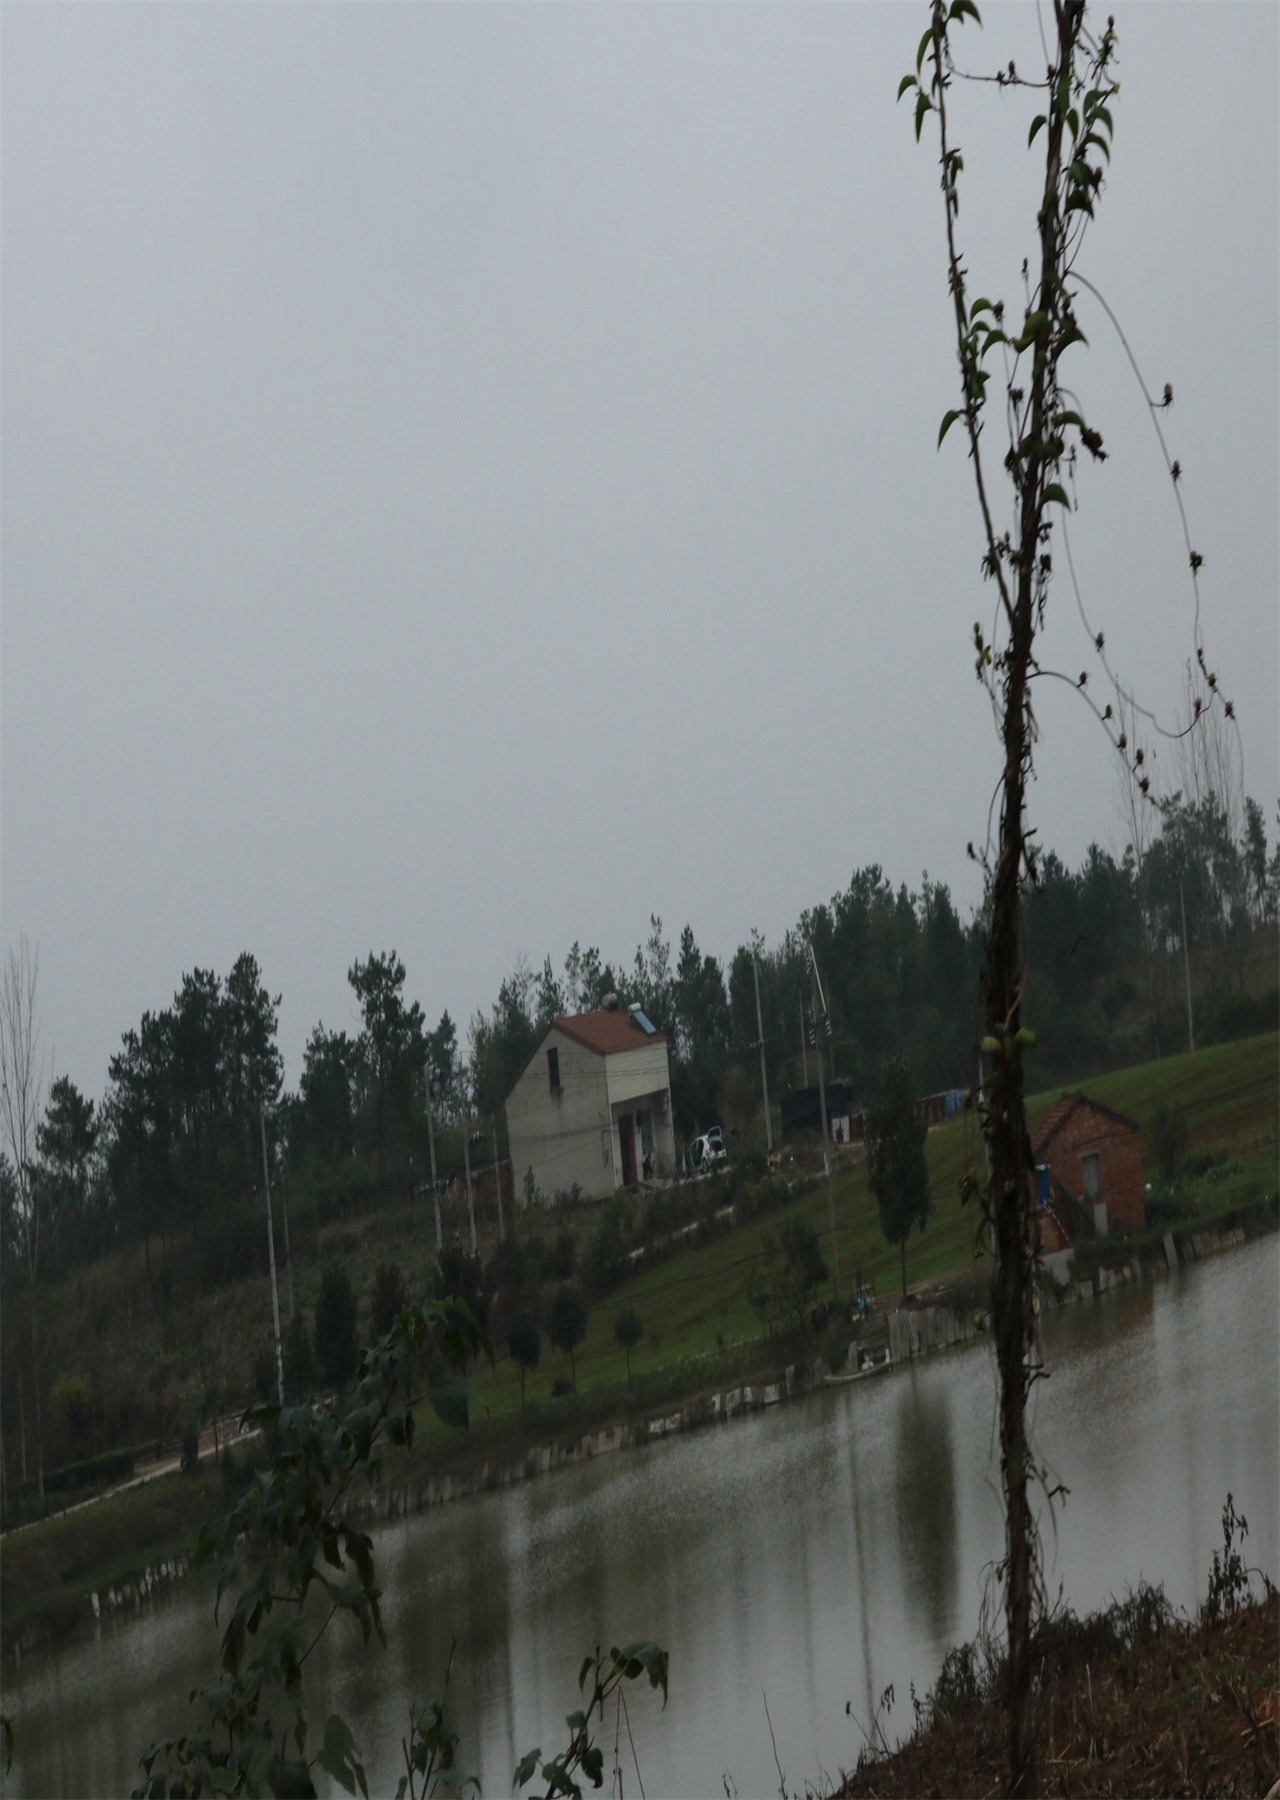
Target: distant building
{"x": 802, "y": 1111}
{"x": 1088, "y": 1173}
{"x": 592, "y": 1105}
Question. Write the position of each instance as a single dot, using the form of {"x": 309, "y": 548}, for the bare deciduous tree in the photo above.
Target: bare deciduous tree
{"x": 22, "y": 1085}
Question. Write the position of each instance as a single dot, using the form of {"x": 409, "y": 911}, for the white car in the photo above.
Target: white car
{"x": 708, "y": 1152}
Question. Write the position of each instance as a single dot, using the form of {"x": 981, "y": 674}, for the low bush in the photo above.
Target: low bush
{"x": 1171, "y": 1140}
{"x": 335, "y": 1342}
{"x": 972, "y": 1676}
{"x": 95, "y": 1471}
{"x": 389, "y": 1298}
{"x": 342, "y": 1189}
{"x": 608, "y": 1257}
{"x": 749, "y": 1167}
{"x": 1066, "y": 1643}
{"x": 232, "y": 1248}
{"x": 964, "y": 1683}
{"x": 1164, "y": 1211}
{"x": 969, "y": 1292}
{"x": 562, "y": 1258}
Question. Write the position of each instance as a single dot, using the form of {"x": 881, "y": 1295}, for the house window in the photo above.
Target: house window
{"x": 1092, "y": 1176}
{"x": 553, "y": 1070}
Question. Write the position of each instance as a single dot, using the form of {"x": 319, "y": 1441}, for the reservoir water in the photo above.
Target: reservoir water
{"x": 795, "y": 1564}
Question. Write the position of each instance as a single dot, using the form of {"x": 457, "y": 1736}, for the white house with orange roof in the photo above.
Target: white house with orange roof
{"x": 592, "y": 1105}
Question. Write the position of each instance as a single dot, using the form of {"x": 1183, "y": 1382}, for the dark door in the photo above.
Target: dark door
{"x": 626, "y": 1143}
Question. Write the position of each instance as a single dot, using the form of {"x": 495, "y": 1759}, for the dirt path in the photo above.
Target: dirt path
{"x": 212, "y": 1442}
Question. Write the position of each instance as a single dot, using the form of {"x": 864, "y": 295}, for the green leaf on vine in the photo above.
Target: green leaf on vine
{"x": 948, "y": 420}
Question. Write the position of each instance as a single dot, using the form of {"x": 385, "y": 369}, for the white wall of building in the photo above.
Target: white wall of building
{"x": 572, "y": 1135}
{"x": 561, "y": 1137}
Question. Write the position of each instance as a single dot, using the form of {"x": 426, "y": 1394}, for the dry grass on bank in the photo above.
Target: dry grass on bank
{"x": 1192, "y": 1713}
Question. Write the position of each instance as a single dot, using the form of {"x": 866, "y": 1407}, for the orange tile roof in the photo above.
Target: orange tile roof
{"x": 607, "y": 1031}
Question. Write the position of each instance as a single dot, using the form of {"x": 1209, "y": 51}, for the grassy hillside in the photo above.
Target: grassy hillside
{"x": 1231, "y": 1098}
{"x": 166, "y": 1355}
{"x": 699, "y": 1331}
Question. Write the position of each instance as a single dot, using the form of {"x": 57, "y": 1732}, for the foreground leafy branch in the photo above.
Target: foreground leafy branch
{"x": 294, "y": 1539}
{"x": 606, "y": 1677}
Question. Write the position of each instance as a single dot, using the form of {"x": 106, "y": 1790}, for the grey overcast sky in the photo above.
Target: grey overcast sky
{"x": 469, "y": 475}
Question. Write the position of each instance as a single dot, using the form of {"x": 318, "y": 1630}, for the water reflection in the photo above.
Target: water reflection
{"x": 858, "y": 1503}
{"x": 813, "y": 1554}
{"x": 925, "y": 1496}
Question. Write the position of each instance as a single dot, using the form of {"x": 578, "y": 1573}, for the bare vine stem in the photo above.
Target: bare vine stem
{"x": 956, "y": 277}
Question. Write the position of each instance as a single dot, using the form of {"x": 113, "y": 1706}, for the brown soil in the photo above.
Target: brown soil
{"x": 1193, "y": 1714}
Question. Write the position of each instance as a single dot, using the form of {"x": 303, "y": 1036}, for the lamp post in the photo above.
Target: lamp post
{"x": 431, "y": 1141}
{"x": 471, "y": 1199}
{"x": 764, "y": 1078}
{"x": 271, "y": 1253}
{"x": 497, "y": 1182}
{"x": 822, "y": 1023}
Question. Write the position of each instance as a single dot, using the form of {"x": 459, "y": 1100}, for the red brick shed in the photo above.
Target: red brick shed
{"x": 1088, "y": 1172}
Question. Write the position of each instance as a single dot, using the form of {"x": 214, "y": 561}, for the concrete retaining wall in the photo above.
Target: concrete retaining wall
{"x": 920, "y": 1330}
{"x": 1175, "y": 1248}
{"x": 399, "y": 1500}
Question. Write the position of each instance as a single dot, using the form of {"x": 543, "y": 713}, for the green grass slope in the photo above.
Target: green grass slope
{"x": 696, "y": 1302}
{"x": 699, "y": 1331}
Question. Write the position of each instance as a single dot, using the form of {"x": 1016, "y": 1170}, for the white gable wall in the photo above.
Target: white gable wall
{"x": 561, "y": 1137}
{"x": 572, "y": 1136}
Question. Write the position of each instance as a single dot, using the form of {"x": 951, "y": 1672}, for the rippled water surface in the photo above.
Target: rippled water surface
{"x": 804, "y": 1559}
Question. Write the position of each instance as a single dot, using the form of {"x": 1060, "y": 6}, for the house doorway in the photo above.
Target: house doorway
{"x": 627, "y": 1147}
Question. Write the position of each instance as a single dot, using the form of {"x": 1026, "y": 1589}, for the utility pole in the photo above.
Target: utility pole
{"x": 497, "y": 1181}
{"x": 764, "y": 1079}
{"x": 1186, "y": 964}
{"x": 471, "y": 1199}
{"x": 804, "y": 1045}
{"x": 271, "y": 1252}
{"x": 288, "y": 1256}
{"x": 822, "y": 1022}
{"x": 435, "y": 1185}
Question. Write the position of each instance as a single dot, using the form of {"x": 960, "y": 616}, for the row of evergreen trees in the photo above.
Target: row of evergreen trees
{"x": 173, "y": 1154}
{"x": 174, "y": 1149}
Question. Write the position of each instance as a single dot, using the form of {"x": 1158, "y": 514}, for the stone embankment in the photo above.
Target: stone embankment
{"x": 1174, "y": 1249}
{"x": 129, "y": 1594}
{"x": 893, "y": 1338}
{"x": 394, "y": 1500}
